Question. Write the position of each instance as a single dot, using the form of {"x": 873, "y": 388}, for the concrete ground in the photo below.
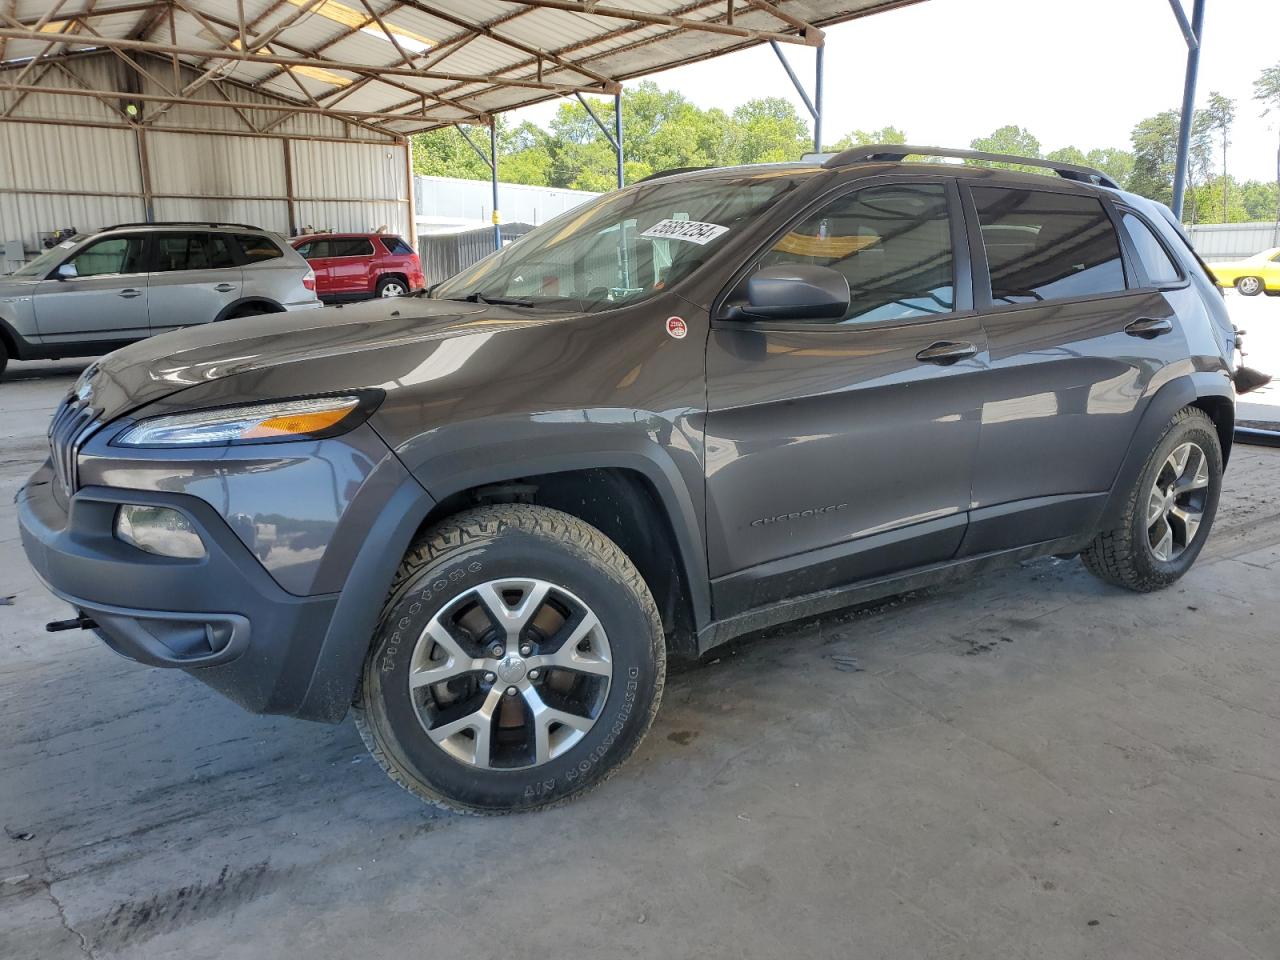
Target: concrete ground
{"x": 1032, "y": 765}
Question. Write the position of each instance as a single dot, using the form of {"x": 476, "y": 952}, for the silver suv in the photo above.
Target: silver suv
{"x": 95, "y": 292}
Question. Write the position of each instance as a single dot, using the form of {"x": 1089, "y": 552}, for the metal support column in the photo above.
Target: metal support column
{"x": 614, "y": 138}
{"x": 617, "y": 133}
{"x": 493, "y": 171}
{"x": 817, "y": 98}
{"x": 815, "y": 109}
{"x": 1193, "y": 33}
{"x": 491, "y": 161}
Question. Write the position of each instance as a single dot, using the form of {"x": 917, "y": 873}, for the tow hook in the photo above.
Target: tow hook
{"x": 78, "y": 622}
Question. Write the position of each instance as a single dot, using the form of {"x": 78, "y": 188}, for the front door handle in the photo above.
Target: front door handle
{"x": 1149, "y": 327}
{"x": 129, "y": 293}
{"x": 946, "y": 352}
{"x": 224, "y": 288}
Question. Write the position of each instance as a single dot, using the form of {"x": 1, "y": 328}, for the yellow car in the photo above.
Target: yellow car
{"x": 1253, "y": 275}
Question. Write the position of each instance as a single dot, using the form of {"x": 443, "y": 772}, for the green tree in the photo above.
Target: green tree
{"x": 1155, "y": 154}
{"x": 1266, "y": 90}
{"x": 861, "y": 138}
{"x": 1220, "y": 114}
{"x": 770, "y": 131}
{"x": 1010, "y": 139}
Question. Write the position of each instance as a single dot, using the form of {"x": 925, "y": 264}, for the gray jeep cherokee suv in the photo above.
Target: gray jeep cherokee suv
{"x": 98, "y": 291}
{"x": 687, "y": 410}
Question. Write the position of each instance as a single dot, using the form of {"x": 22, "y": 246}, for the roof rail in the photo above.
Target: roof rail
{"x": 182, "y": 223}
{"x": 896, "y": 152}
{"x": 670, "y": 173}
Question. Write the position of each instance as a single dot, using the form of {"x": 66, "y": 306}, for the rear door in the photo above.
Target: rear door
{"x": 106, "y": 300}
{"x": 194, "y": 277}
{"x": 844, "y": 449}
{"x": 1077, "y": 341}
{"x": 352, "y": 266}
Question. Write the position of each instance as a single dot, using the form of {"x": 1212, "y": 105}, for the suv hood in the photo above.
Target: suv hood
{"x": 159, "y": 366}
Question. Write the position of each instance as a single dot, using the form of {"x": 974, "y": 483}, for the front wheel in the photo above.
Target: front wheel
{"x": 1249, "y": 286}
{"x": 1168, "y": 512}
{"x": 519, "y": 661}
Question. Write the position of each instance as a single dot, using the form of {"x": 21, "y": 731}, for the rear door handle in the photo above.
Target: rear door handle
{"x": 224, "y": 288}
{"x": 946, "y": 352}
{"x": 129, "y": 293}
{"x": 1149, "y": 327}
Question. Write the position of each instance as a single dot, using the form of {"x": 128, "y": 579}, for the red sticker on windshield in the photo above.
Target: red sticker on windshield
{"x": 677, "y": 328}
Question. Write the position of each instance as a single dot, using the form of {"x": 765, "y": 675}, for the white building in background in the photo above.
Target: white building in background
{"x": 450, "y": 205}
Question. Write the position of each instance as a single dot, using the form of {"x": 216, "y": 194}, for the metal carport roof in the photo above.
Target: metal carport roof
{"x": 400, "y": 65}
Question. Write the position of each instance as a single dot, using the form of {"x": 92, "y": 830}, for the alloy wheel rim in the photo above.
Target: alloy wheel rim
{"x": 1249, "y": 285}
{"x": 510, "y": 674}
{"x": 1176, "y": 502}
{"x": 393, "y": 290}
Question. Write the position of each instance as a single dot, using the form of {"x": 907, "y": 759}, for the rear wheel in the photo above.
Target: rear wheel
{"x": 392, "y": 287}
{"x": 519, "y": 660}
{"x": 1168, "y": 512}
{"x": 4, "y": 357}
{"x": 1249, "y": 286}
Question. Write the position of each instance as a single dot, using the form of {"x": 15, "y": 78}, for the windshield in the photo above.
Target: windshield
{"x": 41, "y": 265}
{"x": 623, "y": 247}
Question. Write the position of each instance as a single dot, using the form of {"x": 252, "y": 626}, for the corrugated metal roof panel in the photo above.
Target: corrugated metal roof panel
{"x": 341, "y": 33}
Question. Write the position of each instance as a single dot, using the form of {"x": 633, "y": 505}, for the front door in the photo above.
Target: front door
{"x": 839, "y": 450}
{"x": 194, "y": 278}
{"x": 106, "y": 299}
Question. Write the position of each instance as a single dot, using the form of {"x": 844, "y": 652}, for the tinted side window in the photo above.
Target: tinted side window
{"x": 396, "y": 245}
{"x": 191, "y": 251}
{"x": 256, "y": 248}
{"x": 892, "y": 243}
{"x": 1047, "y": 246}
{"x": 109, "y": 255}
{"x": 351, "y": 247}
{"x": 1155, "y": 259}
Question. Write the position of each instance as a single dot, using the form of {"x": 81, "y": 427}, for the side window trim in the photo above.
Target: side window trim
{"x": 983, "y": 301}
{"x": 961, "y": 278}
{"x": 1142, "y": 281}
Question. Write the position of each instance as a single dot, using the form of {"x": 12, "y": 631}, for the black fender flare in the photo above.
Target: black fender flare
{"x": 235, "y": 305}
{"x": 630, "y": 452}
{"x": 1180, "y": 392}
{"x": 346, "y": 641}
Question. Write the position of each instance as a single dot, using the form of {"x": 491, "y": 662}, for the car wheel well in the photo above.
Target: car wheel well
{"x": 624, "y": 506}
{"x": 393, "y": 275}
{"x": 249, "y": 308}
{"x": 1222, "y": 412}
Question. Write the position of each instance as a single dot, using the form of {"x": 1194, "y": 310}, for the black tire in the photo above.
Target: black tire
{"x": 249, "y": 311}
{"x": 4, "y": 356}
{"x": 1125, "y": 556}
{"x": 1249, "y": 286}
{"x": 391, "y": 279}
{"x": 469, "y": 550}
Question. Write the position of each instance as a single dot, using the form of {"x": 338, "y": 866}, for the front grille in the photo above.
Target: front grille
{"x": 71, "y": 426}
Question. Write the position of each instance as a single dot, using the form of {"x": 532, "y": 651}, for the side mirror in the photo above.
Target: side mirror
{"x": 793, "y": 292}
{"x": 66, "y": 271}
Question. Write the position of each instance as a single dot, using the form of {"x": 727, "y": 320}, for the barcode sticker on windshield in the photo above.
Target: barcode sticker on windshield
{"x": 693, "y": 231}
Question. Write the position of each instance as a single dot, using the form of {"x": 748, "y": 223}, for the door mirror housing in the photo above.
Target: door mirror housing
{"x": 66, "y": 271}
{"x": 795, "y": 291}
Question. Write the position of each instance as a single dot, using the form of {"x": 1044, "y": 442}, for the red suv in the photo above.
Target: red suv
{"x": 355, "y": 266}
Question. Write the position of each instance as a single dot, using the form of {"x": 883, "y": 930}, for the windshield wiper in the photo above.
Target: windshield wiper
{"x": 497, "y": 301}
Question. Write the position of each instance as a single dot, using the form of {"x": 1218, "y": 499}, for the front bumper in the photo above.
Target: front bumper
{"x": 221, "y": 618}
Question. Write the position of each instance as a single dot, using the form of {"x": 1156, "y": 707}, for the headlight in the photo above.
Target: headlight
{"x": 312, "y": 418}
{"x": 159, "y": 530}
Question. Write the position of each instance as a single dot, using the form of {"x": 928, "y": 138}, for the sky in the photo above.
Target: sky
{"x": 1074, "y": 72}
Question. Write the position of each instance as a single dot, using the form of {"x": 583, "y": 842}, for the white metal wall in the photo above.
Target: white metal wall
{"x": 1221, "y": 240}
{"x": 200, "y": 163}
{"x": 446, "y": 204}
